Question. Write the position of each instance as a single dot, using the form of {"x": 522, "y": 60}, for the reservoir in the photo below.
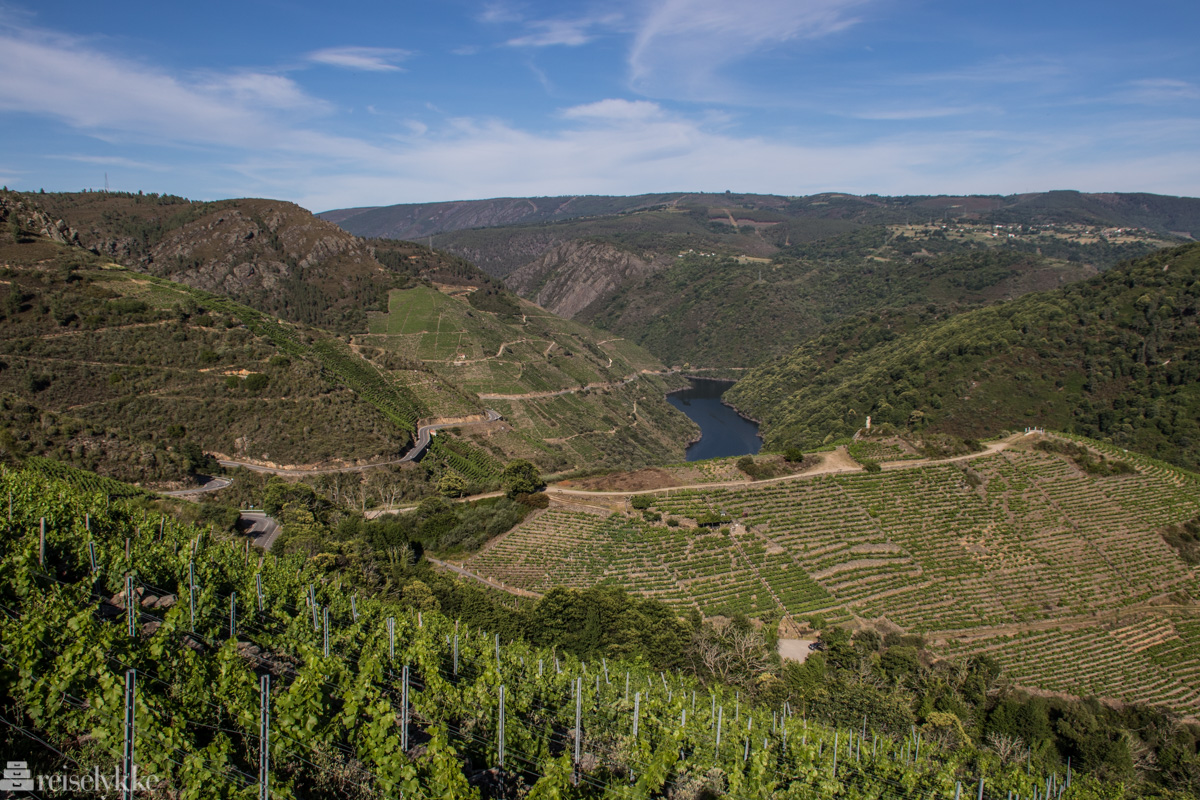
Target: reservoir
{"x": 722, "y": 431}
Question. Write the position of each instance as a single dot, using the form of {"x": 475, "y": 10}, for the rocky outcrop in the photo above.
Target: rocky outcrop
{"x": 571, "y": 276}
{"x": 36, "y": 221}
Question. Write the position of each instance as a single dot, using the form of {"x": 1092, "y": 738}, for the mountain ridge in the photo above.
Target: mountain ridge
{"x": 414, "y": 220}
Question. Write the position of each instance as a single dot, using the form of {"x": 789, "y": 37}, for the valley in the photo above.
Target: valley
{"x": 977, "y": 437}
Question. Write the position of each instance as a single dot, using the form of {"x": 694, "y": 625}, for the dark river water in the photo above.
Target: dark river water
{"x": 722, "y": 431}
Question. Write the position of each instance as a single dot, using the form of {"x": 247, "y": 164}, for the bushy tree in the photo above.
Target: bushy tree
{"x": 520, "y": 477}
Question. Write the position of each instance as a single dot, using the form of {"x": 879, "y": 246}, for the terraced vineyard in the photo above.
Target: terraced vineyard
{"x": 535, "y": 370}
{"x": 1007, "y": 539}
{"x": 717, "y": 571}
{"x": 1153, "y": 658}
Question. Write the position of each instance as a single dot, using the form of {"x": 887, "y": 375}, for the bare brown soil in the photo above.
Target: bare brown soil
{"x": 639, "y": 480}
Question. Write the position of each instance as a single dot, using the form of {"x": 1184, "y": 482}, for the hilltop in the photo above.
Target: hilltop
{"x": 269, "y": 254}
{"x": 1159, "y": 213}
{"x": 1111, "y": 357}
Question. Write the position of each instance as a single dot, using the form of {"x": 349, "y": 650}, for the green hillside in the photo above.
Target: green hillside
{"x": 979, "y": 554}
{"x": 138, "y": 376}
{"x": 123, "y": 373}
{"x": 372, "y": 696}
{"x": 1115, "y": 357}
{"x": 567, "y": 392}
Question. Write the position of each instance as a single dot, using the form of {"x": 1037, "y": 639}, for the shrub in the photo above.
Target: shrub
{"x": 536, "y": 500}
{"x": 256, "y": 382}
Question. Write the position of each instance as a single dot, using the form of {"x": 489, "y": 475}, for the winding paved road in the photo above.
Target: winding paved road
{"x": 264, "y": 529}
{"x": 211, "y": 485}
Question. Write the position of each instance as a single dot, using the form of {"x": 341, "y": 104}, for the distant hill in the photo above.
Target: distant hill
{"x": 1115, "y": 357}
{"x": 1159, "y": 213}
{"x": 727, "y": 280}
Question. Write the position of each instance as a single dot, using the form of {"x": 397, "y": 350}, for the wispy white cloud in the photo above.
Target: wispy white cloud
{"x": 262, "y": 89}
{"x": 615, "y": 110}
{"x": 920, "y": 113}
{"x": 564, "y": 32}
{"x": 552, "y": 32}
{"x": 499, "y": 12}
{"x": 680, "y": 44}
{"x": 1157, "y": 91}
{"x": 366, "y": 59}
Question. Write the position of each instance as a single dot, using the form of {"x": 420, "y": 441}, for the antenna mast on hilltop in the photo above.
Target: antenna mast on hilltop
{"x": 106, "y": 183}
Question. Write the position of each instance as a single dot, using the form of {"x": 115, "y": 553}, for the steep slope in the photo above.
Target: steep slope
{"x": 571, "y": 398}
{"x": 269, "y": 254}
{"x": 1013, "y": 552}
{"x": 570, "y": 277}
{"x": 720, "y": 311}
{"x": 1115, "y": 357}
{"x": 157, "y": 367}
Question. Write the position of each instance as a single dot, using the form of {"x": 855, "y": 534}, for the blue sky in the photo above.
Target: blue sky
{"x": 373, "y": 103}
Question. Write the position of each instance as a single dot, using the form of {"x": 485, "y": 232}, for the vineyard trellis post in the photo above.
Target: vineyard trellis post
{"x": 720, "y": 719}
{"x": 980, "y": 797}
{"x": 128, "y": 767}
{"x": 326, "y": 630}
{"x": 92, "y": 556}
{"x": 456, "y": 658}
{"x": 637, "y": 707}
{"x": 192, "y": 592}
{"x": 233, "y": 615}
{"x": 500, "y": 730}
{"x": 404, "y": 709}
{"x": 835, "y": 752}
{"x": 312, "y": 601}
{"x": 42, "y": 543}
{"x": 578, "y": 728}
{"x": 957, "y": 789}
{"x": 391, "y": 625}
{"x": 264, "y": 738}
{"x": 259, "y": 591}
{"x": 129, "y": 601}
{"x": 354, "y": 608}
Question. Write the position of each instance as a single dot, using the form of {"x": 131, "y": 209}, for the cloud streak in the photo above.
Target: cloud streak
{"x": 680, "y": 44}
{"x": 364, "y": 59}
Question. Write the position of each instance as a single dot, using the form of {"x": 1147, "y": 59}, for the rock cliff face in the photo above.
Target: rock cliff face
{"x": 571, "y": 276}
{"x": 253, "y": 247}
{"x": 35, "y": 221}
